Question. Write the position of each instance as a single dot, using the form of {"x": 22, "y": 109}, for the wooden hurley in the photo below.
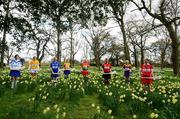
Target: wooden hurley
{"x": 151, "y": 77}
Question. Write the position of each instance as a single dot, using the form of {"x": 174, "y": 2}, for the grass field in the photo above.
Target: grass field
{"x": 78, "y": 98}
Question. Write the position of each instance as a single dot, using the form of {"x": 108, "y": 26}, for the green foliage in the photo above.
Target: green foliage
{"x": 87, "y": 98}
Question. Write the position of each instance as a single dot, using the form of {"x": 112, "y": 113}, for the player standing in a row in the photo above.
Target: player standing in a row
{"x": 15, "y": 67}
{"x": 147, "y": 75}
{"x": 84, "y": 68}
{"x": 55, "y": 71}
{"x": 127, "y": 71}
{"x": 107, "y": 71}
{"x": 67, "y": 70}
{"x": 34, "y": 67}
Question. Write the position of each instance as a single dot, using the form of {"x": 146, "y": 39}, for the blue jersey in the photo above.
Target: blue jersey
{"x": 15, "y": 64}
{"x": 55, "y": 66}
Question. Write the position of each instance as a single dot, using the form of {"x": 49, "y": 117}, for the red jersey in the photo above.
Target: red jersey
{"x": 85, "y": 64}
{"x": 146, "y": 70}
{"x": 107, "y": 67}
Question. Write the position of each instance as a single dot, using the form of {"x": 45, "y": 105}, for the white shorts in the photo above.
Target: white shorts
{"x": 34, "y": 71}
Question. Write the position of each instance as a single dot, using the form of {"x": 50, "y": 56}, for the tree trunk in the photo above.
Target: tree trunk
{"x": 38, "y": 52}
{"x": 126, "y": 48}
{"x": 175, "y": 48}
{"x": 162, "y": 59}
{"x": 43, "y": 52}
{"x": 119, "y": 15}
{"x": 73, "y": 61}
{"x": 58, "y": 45}
{"x": 97, "y": 60}
{"x": 117, "y": 60}
{"x": 135, "y": 56}
{"x": 3, "y": 47}
{"x": 71, "y": 49}
{"x": 5, "y": 28}
{"x": 142, "y": 55}
{"x": 142, "y": 50}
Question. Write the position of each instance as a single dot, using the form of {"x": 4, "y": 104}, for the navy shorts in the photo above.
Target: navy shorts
{"x": 15, "y": 73}
{"x": 54, "y": 75}
{"x": 127, "y": 74}
{"x": 66, "y": 72}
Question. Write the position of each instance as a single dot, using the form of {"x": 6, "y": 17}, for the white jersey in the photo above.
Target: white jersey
{"x": 15, "y": 64}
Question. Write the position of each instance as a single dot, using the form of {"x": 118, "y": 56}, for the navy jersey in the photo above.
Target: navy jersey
{"x": 55, "y": 65}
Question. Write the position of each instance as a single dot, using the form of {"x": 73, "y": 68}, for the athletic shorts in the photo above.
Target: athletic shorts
{"x": 66, "y": 72}
{"x": 54, "y": 75}
{"x": 85, "y": 72}
{"x": 127, "y": 74}
{"x": 15, "y": 73}
{"x": 106, "y": 76}
{"x": 34, "y": 71}
{"x": 146, "y": 80}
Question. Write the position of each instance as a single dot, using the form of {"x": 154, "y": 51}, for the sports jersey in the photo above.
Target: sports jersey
{"x": 55, "y": 66}
{"x": 85, "y": 65}
{"x": 146, "y": 74}
{"x": 107, "y": 67}
{"x": 15, "y": 64}
{"x": 34, "y": 64}
{"x": 146, "y": 70}
{"x": 127, "y": 67}
{"x": 67, "y": 66}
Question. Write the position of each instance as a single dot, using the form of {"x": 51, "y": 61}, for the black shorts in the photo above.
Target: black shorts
{"x": 106, "y": 76}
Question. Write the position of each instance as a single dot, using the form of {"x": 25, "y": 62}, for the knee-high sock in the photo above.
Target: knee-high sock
{"x": 15, "y": 83}
{"x": 12, "y": 84}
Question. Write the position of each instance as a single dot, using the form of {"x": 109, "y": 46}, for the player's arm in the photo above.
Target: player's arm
{"x": 123, "y": 66}
{"x": 59, "y": 66}
{"x": 38, "y": 66}
{"x": 130, "y": 68}
{"x": 10, "y": 66}
{"x": 152, "y": 71}
{"x": 141, "y": 69}
{"x": 51, "y": 68}
{"x": 102, "y": 67}
{"x": 20, "y": 66}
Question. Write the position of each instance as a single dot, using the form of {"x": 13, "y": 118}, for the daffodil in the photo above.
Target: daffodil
{"x": 44, "y": 97}
{"x": 109, "y": 111}
{"x": 55, "y": 106}
{"x": 134, "y": 116}
{"x": 46, "y": 110}
{"x": 99, "y": 111}
{"x": 57, "y": 116}
{"x": 110, "y": 94}
{"x": 156, "y": 116}
{"x": 153, "y": 115}
{"x": 57, "y": 110}
{"x": 64, "y": 114}
{"x": 174, "y": 100}
{"x": 33, "y": 99}
{"x": 93, "y": 105}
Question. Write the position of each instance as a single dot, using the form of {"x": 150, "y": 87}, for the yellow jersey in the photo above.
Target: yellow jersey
{"x": 67, "y": 66}
{"x": 34, "y": 64}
